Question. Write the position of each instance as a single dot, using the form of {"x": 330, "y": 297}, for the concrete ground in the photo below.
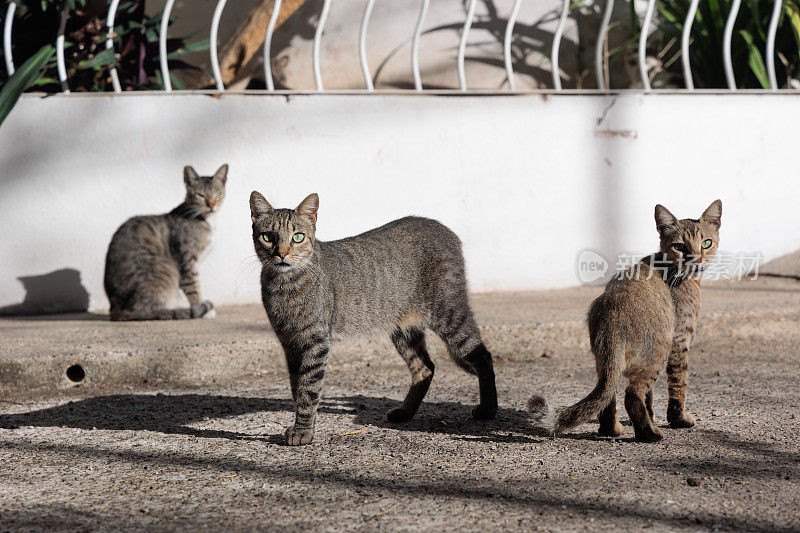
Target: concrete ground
{"x": 178, "y": 426}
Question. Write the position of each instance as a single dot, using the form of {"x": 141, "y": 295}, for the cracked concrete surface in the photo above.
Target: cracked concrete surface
{"x": 177, "y": 426}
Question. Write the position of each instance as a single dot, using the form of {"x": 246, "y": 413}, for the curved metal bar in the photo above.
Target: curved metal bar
{"x": 9, "y": 22}
{"x": 648, "y": 17}
{"x": 687, "y": 31}
{"x": 512, "y": 19}
{"x": 773, "y": 30}
{"x": 162, "y": 46}
{"x": 62, "y": 65}
{"x": 273, "y": 20}
{"x": 112, "y": 13}
{"x": 726, "y": 45}
{"x": 415, "y": 45}
{"x": 562, "y": 21}
{"x": 599, "y": 47}
{"x": 323, "y": 17}
{"x": 213, "y": 44}
{"x": 362, "y": 46}
{"x": 462, "y": 45}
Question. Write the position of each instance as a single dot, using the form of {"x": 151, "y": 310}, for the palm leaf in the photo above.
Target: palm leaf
{"x": 754, "y": 59}
{"x": 23, "y": 78}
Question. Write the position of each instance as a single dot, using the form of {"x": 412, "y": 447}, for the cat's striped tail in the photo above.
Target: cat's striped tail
{"x": 186, "y": 313}
{"x": 557, "y": 421}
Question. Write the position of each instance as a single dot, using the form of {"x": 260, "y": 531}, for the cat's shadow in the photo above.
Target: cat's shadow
{"x": 450, "y": 418}
{"x": 60, "y": 291}
{"x": 179, "y": 414}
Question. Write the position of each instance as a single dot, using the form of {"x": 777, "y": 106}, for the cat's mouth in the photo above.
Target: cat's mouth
{"x": 282, "y": 264}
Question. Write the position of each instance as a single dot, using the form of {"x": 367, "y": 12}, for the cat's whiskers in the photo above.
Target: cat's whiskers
{"x": 247, "y": 268}
{"x": 195, "y": 212}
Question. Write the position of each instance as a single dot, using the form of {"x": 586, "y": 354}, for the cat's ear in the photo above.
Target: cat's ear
{"x": 190, "y": 176}
{"x": 713, "y": 214}
{"x": 308, "y": 207}
{"x": 258, "y": 206}
{"x": 222, "y": 174}
{"x": 664, "y": 219}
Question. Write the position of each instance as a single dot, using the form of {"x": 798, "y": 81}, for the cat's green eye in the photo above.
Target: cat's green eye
{"x": 266, "y": 238}
{"x": 298, "y": 237}
{"x": 706, "y": 244}
{"x": 679, "y": 246}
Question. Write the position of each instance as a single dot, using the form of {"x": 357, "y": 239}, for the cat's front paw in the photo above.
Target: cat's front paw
{"x": 298, "y": 436}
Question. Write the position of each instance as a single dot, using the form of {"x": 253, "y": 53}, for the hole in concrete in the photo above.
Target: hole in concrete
{"x": 76, "y": 373}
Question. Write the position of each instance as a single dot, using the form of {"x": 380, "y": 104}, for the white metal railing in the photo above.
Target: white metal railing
{"x": 61, "y": 64}
{"x": 773, "y": 31}
{"x": 685, "y": 35}
{"x": 273, "y": 20}
{"x": 600, "y": 45}
{"x": 112, "y": 13}
{"x": 462, "y": 45}
{"x": 512, "y": 19}
{"x": 212, "y": 44}
{"x": 162, "y": 45}
{"x": 562, "y": 22}
{"x": 323, "y": 17}
{"x": 7, "y": 27}
{"x": 726, "y": 44}
{"x": 415, "y": 45}
{"x": 643, "y": 34}
{"x": 600, "y": 59}
{"x": 362, "y": 46}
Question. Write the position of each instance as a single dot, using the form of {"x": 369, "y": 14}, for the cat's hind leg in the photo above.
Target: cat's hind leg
{"x": 149, "y": 304}
{"x": 410, "y": 342}
{"x": 457, "y": 328}
{"x": 648, "y": 402}
{"x": 481, "y": 362}
{"x": 635, "y": 403}
{"x": 609, "y": 424}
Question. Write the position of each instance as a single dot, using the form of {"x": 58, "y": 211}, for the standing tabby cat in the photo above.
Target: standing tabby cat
{"x": 150, "y": 257}
{"x": 645, "y": 316}
{"x": 403, "y": 277}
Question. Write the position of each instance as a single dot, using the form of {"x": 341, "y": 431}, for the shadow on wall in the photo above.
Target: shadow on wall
{"x": 60, "y": 291}
{"x": 531, "y": 45}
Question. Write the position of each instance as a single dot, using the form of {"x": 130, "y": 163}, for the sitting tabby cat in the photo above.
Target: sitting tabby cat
{"x": 150, "y": 257}
{"x": 645, "y": 316}
{"x": 403, "y": 277}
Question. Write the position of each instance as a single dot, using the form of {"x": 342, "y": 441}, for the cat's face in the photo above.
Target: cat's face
{"x": 205, "y": 193}
{"x": 689, "y": 242}
{"x": 284, "y": 238}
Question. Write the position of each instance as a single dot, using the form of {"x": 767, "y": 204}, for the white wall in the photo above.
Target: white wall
{"x": 527, "y": 181}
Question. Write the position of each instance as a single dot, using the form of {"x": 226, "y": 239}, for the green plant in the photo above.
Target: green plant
{"x": 135, "y": 52}
{"x": 24, "y": 77}
{"x": 748, "y": 44}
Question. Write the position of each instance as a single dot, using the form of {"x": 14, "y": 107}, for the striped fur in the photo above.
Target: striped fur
{"x": 151, "y": 257}
{"x": 645, "y": 316}
{"x": 402, "y": 278}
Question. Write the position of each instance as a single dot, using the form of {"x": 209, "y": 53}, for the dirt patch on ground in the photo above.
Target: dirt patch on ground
{"x": 166, "y": 456}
